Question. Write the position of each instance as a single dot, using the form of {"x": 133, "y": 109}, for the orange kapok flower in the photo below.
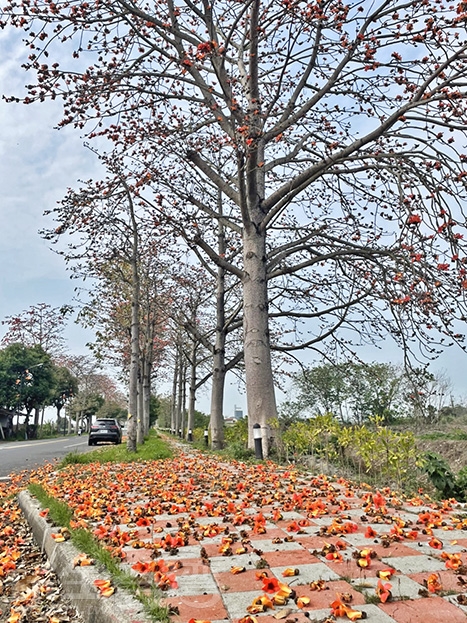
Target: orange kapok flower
{"x": 433, "y": 583}
{"x": 290, "y": 572}
{"x": 237, "y": 570}
{"x": 303, "y": 601}
{"x": 260, "y": 575}
{"x": 384, "y": 591}
{"x": 82, "y": 560}
{"x": 385, "y": 574}
{"x": 339, "y": 609}
{"x": 144, "y": 567}
{"x": 104, "y": 587}
{"x": 270, "y": 585}
{"x": 318, "y": 585}
{"x": 435, "y": 543}
{"x": 165, "y": 581}
{"x": 453, "y": 561}
{"x": 335, "y": 556}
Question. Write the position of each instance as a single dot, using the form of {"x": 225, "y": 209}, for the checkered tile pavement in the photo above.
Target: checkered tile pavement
{"x": 245, "y": 543}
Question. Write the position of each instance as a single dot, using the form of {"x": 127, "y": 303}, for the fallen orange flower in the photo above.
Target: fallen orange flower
{"x": 225, "y": 549}
{"x": 370, "y": 533}
{"x": 385, "y": 574}
{"x": 433, "y": 583}
{"x": 255, "y": 608}
{"x": 14, "y": 617}
{"x": 237, "y": 570}
{"x": 260, "y": 575}
{"x": 58, "y": 538}
{"x": 104, "y": 587}
{"x": 270, "y": 585}
{"x": 289, "y": 572}
{"x": 165, "y": 581}
{"x": 384, "y": 591}
{"x": 143, "y": 521}
{"x": 144, "y": 567}
{"x": 82, "y": 560}
{"x": 339, "y": 609}
{"x": 453, "y": 561}
{"x": 198, "y": 621}
{"x": 284, "y": 590}
{"x": 335, "y": 556}
{"x": 318, "y": 585}
{"x": 160, "y": 566}
{"x": 302, "y": 602}
{"x": 435, "y": 543}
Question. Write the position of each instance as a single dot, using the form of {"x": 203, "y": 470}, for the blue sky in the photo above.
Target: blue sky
{"x": 37, "y": 164}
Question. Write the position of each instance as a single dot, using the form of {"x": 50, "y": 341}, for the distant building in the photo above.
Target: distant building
{"x": 238, "y": 413}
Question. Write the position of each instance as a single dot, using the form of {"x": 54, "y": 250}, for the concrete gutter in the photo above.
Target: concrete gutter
{"x": 78, "y": 582}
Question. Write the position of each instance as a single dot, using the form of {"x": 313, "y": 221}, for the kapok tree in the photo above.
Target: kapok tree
{"x": 333, "y": 130}
{"x": 110, "y": 241}
{"x": 40, "y": 325}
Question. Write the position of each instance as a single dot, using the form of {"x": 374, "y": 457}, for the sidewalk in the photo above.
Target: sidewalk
{"x": 234, "y": 542}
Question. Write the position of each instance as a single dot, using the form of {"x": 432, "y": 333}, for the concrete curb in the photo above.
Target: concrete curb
{"x": 78, "y": 582}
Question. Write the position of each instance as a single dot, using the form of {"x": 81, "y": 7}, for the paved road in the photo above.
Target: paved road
{"x": 18, "y": 455}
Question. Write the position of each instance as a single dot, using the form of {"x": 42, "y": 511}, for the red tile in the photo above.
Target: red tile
{"x": 193, "y": 566}
{"x": 394, "y": 549}
{"x": 271, "y": 533}
{"x": 317, "y": 542}
{"x": 296, "y": 617}
{"x": 138, "y": 555}
{"x": 246, "y": 581}
{"x": 350, "y": 569}
{"x": 449, "y": 580}
{"x": 202, "y": 607}
{"x": 430, "y": 610}
{"x": 322, "y": 599}
{"x": 212, "y": 549}
{"x": 289, "y": 558}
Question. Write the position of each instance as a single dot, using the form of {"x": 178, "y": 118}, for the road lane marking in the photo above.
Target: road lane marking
{"x": 13, "y": 446}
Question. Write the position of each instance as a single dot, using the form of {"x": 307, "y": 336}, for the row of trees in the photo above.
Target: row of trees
{"x": 356, "y": 393}
{"x": 35, "y": 373}
{"x": 301, "y": 163}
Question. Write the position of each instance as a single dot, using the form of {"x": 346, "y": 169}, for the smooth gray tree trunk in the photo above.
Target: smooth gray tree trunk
{"x": 261, "y": 402}
{"x": 216, "y": 423}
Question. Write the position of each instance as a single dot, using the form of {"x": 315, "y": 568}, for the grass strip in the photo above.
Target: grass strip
{"x": 153, "y": 449}
{"x": 61, "y": 514}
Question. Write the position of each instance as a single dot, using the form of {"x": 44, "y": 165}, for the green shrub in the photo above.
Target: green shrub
{"x": 440, "y": 475}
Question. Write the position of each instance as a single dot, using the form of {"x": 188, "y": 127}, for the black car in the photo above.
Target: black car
{"x": 105, "y": 429}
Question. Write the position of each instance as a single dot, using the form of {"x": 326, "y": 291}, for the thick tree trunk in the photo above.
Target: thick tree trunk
{"x": 134, "y": 362}
{"x": 216, "y": 423}
{"x": 178, "y": 410}
{"x": 261, "y": 400}
{"x": 183, "y": 405}
{"x": 192, "y": 398}
{"x": 140, "y": 421}
{"x": 146, "y": 395}
{"x": 173, "y": 410}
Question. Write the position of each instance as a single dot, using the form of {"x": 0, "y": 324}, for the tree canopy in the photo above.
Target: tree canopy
{"x": 334, "y": 132}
